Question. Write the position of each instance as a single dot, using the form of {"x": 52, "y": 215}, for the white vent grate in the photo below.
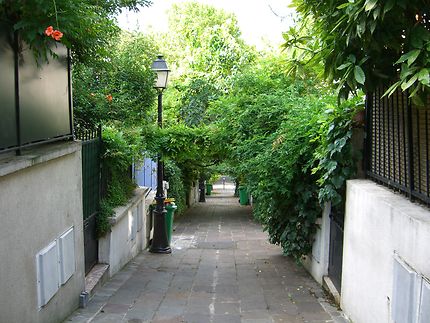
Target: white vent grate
{"x": 424, "y": 316}
{"x": 411, "y": 294}
{"x": 66, "y": 255}
{"x": 47, "y": 273}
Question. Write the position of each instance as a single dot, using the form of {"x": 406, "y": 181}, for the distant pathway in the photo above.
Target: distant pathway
{"x": 222, "y": 269}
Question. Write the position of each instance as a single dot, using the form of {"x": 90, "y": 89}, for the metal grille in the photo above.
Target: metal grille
{"x": 398, "y": 150}
{"x": 336, "y": 247}
{"x": 91, "y": 187}
{"x": 91, "y": 170}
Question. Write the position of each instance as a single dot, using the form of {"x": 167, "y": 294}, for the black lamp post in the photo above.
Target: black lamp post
{"x": 160, "y": 243}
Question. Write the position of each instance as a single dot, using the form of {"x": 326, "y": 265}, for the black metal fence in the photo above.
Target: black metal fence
{"x": 91, "y": 169}
{"x": 336, "y": 247}
{"x": 91, "y": 190}
{"x": 398, "y": 144}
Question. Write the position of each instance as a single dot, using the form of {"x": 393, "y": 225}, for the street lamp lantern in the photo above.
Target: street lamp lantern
{"x": 159, "y": 66}
{"x": 160, "y": 242}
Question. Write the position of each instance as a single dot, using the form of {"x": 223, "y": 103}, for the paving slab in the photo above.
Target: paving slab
{"x": 222, "y": 269}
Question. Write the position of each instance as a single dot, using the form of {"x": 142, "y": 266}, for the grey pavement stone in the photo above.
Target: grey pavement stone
{"x": 256, "y": 315}
{"x": 234, "y": 318}
{"x": 135, "y": 321}
{"x": 257, "y": 320}
{"x": 169, "y": 312}
{"x": 112, "y": 308}
{"x": 222, "y": 269}
{"x": 196, "y": 318}
{"x": 287, "y": 318}
{"x": 178, "y": 319}
{"x": 108, "y": 318}
{"x": 227, "y": 308}
{"x": 144, "y": 316}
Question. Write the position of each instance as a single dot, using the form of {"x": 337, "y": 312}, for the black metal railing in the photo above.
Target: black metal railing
{"x": 91, "y": 190}
{"x": 398, "y": 144}
{"x": 336, "y": 247}
{"x": 91, "y": 169}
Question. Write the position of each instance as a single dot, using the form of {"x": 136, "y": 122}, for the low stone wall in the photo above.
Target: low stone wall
{"x": 317, "y": 262}
{"x": 386, "y": 263}
{"x": 130, "y": 231}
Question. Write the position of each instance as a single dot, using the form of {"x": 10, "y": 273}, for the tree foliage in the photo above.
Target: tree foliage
{"x": 117, "y": 92}
{"x": 118, "y": 89}
{"x": 195, "y": 97}
{"x": 289, "y": 143}
{"x": 205, "y": 53}
{"x": 205, "y": 43}
{"x": 364, "y": 44}
{"x": 87, "y": 25}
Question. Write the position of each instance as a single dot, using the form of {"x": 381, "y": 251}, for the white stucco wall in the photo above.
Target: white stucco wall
{"x": 317, "y": 262}
{"x": 40, "y": 198}
{"x": 378, "y": 224}
{"x": 129, "y": 233}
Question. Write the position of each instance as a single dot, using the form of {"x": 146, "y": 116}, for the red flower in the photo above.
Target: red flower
{"x": 49, "y": 30}
{"x": 109, "y": 97}
{"x": 56, "y": 34}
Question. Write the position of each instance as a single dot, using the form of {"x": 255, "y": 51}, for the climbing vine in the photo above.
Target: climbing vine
{"x": 290, "y": 143}
{"x": 334, "y": 156}
{"x": 364, "y": 44}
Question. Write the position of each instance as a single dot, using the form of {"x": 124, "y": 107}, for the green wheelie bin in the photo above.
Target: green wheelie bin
{"x": 243, "y": 195}
{"x": 170, "y": 207}
{"x": 209, "y": 189}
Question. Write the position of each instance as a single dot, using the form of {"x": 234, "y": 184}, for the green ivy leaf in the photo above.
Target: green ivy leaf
{"x": 419, "y": 36}
{"x": 424, "y": 76}
{"x": 359, "y": 75}
{"x": 409, "y": 56}
{"x": 376, "y": 13}
{"x": 352, "y": 58}
{"x": 389, "y": 5}
{"x": 408, "y": 84}
{"x": 343, "y": 66}
{"x": 418, "y": 100}
{"x": 370, "y": 4}
{"x": 343, "y": 5}
{"x": 338, "y": 181}
{"x": 406, "y": 71}
{"x": 414, "y": 56}
{"x": 372, "y": 26}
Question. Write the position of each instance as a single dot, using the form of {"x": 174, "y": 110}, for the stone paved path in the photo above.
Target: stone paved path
{"x": 222, "y": 269}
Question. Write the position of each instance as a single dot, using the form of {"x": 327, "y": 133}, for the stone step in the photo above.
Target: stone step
{"x": 98, "y": 275}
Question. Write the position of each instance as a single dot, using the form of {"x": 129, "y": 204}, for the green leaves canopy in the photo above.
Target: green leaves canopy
{"x": 363, "y": 43}
{"x": 205, "y": 42}
{"x": 118, "y": 89}
{"x": 288, "y": 142}
{"x": 205, "y": 52}
{"x": 88, "y": 25}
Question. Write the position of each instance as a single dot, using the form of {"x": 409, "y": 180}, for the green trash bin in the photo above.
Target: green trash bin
{"x": 170, "y": 207}
{"x": 209, "y": 189}
{"x": 243, "y": 195}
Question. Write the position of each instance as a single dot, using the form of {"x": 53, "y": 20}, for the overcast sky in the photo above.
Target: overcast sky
{"x": 261, "y": 21}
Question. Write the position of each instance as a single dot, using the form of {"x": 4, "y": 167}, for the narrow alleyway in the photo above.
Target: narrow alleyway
{"x": 222, "y": 269}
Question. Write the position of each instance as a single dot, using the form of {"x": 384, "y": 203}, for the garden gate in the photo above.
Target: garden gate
{"x": 336, "y": 247}
{"x": 91, "y": 181}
